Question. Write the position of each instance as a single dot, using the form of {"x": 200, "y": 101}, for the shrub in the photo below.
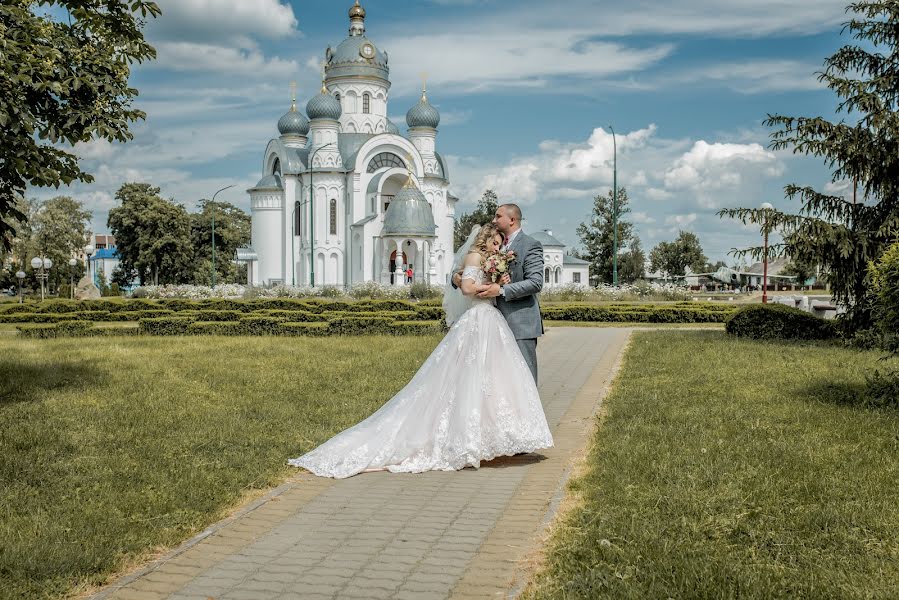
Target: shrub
{"x": 295, "y": 316}
{"x": 429, "y": 313}
{"x": 385, "y": 305}
{"x": 216, "y": 328}
{"x": 416, "y": 327}
{"x": 252, "y": 325}
{"x": 882, "y": 389}
{"x": 422, "y": 291}
{"x": 884, "y": 274}
{"x": 777, "y": 321}
{"x": 305, "y": 328}
{"x": 637, "y": 313}
{"x": 66, "y": 329}
{"x": 165, "y": 325}
{"x": 359, "y": 325}
{"x": 41, "y": 317}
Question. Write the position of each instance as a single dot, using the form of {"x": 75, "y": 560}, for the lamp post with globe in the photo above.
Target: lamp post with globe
{"x": 89, "y": 251}
{"x": 44, "y": 264}
{"x": 20, "y": 275}
{"x": 72, "y": 263}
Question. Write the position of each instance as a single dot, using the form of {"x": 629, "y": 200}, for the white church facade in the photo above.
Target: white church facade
{"x": 344, "y": 197}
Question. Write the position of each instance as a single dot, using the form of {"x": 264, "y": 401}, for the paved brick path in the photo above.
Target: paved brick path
{"x": 464, "y": 534}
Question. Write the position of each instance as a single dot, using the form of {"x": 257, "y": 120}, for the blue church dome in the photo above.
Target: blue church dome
{"x": 392, "y": 128}
{"x": 409, "y": 213}
{"x": 423, "y": 114}
{"x": 293, "y": 122}
{"x": 323, "y": 106}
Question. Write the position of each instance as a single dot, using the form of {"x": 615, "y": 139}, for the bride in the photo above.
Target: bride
{"x": 472, "y": 400}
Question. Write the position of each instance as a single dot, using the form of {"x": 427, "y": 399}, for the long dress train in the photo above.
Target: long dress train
{"x": 472, "y": 400}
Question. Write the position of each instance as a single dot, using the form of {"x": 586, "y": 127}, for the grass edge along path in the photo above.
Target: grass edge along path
{"x": 702, "y": 482}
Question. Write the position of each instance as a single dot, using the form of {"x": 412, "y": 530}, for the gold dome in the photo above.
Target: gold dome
{"x": 357, "y": 11}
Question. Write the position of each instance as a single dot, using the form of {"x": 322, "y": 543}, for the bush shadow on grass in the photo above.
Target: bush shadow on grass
{"x": 28, "y": 382}
{"x": 839, "y": 393}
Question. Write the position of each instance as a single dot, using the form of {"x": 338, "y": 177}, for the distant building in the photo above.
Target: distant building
{"x": 105, "y": 258}
{"x": 558, "y": 267}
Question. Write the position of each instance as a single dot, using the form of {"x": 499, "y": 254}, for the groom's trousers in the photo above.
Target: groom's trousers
{"x": 529, "y": 350}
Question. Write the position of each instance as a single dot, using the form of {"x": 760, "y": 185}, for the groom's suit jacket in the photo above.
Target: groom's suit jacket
{"x": 520, "y": 306}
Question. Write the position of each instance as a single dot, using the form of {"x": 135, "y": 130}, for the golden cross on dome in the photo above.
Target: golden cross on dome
{"x": 293, "y": 95}
{"x": 424, "y": 84}
{"x": 324, "y": 89}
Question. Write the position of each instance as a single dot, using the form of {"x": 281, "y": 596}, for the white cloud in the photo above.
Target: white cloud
{"x": 516, "y": 182}
{"x": 218, "y": 19}
{"x": 466, "y": 61}
{"x": 748, "y": 77}
{"x": 680, "y": 221}
{"x": 710, "y": 170}
{"x": 641, "y": 218}
{"x": 246, "y": 60}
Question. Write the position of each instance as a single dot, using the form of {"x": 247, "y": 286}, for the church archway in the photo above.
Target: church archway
{"x": 392, "y": 265}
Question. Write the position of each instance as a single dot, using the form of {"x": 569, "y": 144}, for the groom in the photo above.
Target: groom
{"x": 516, "y": 293}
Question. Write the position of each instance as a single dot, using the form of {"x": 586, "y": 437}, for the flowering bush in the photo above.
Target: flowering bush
{"x": 574, "y": 292}
{"x": 368, "y": 289}
{"x": 571, "y": 292}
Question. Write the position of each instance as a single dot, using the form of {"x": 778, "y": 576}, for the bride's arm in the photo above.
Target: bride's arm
{"x": 468, "y": 286}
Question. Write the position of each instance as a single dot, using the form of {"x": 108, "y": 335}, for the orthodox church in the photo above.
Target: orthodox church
{"x": 344, "y": 197}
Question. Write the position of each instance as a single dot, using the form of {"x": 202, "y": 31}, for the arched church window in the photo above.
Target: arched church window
{"x": 385, "y": 159}
{"x": 558, "y": 274}
{"x": 333, "y": 216}
{"x": 366, "y": 103}
{"x": 546, "y": 275}
{"x": 276, "y": 167}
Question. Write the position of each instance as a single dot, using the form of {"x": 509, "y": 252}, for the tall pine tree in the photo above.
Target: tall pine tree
{"x": 839, "y": 234}
{"x": 597, "y": 234}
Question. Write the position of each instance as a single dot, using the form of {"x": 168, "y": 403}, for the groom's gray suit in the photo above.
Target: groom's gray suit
{"x": 518, "y": 302}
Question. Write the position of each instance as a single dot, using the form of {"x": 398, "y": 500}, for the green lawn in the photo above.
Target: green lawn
{"x": 725, "y": 468}
{"x": 113, "y": 448}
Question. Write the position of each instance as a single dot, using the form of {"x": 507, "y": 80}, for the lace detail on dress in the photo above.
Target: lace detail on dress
{"x": 475, "y": 274}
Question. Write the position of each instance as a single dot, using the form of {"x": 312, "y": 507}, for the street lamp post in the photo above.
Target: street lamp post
{"x": 312, "y": 217}
{"x": 767, "y": 207}
{"x": 72, "y": 263}
{"x": 89, "y": 251}
{"x": 614, "y": 208}
{"x": 44, "y": 264}
{"x": 213, "y": 229}
{"x": 20, "y": 275}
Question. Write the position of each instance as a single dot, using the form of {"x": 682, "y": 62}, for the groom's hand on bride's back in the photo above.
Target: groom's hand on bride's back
{"x": 457, "y": 279}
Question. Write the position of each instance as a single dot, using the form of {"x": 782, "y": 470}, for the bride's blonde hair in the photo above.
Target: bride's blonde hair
{"x": 484, "y": 236}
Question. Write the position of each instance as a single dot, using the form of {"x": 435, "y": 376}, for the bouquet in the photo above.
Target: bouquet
{"x": 497, "y": 265}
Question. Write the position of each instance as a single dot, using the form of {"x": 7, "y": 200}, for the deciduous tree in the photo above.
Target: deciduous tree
{"x": 597, "y": 234}
{"x": 484, "y": 213}
{"x": 63, "y": 81}
{"x": 673, "y": 258}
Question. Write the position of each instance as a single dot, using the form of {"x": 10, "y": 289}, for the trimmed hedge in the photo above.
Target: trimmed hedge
{"x": 638, "y": 313}
{"x": 778, "y": 322}
{"x": 306, "y": 328}
{"x": 65, "y": 329}
{"x": 165, "y": 326}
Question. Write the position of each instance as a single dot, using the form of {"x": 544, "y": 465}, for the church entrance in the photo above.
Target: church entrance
{"x": 393, "y": 265}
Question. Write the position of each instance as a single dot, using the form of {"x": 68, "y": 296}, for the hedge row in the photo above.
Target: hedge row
{"x": 72, "y": 329}
{"x": 637, "y": 313}
{"x": 243, "y": 306}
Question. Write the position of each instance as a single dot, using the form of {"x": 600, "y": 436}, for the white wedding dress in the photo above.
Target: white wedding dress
{"x": 472, "y": 400}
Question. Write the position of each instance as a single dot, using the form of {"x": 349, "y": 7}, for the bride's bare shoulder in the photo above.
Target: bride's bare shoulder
{"x": 472, "y": 259}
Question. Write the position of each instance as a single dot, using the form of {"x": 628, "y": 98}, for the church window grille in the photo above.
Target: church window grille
{"x": 337, "y": 95}
{"x": 366, "y": 103}
{"x": 276, "y": 167}
{"x": 546, "y": 275}
{"x": 575, "y": 278}
{"x": 558, "y": 273}
{"x": 383, "y": 160}
{"x": 387, "y": 200}
{"x": 333, "y": 215}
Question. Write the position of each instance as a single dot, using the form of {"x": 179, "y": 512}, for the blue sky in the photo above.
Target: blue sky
{"x": 527, "y": 91}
